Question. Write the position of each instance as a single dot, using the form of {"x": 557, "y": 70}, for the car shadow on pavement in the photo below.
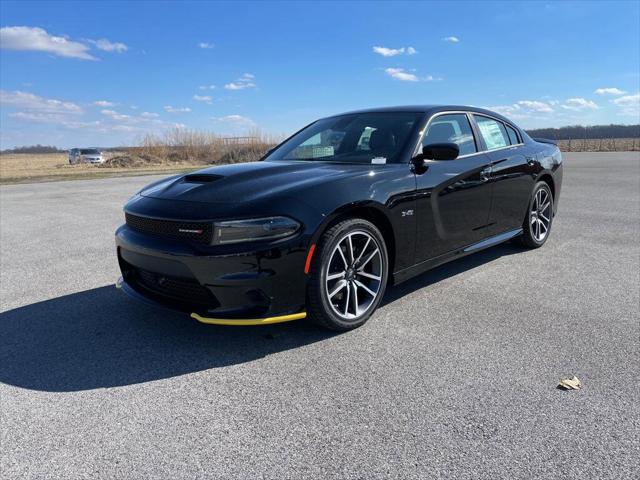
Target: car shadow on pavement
{"x": 101, "y": 338}
{"x": 451, "y": 269}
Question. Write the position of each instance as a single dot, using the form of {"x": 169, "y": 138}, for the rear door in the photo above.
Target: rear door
{"x": 453, "y": 196}
{"x": 511, "y": 173}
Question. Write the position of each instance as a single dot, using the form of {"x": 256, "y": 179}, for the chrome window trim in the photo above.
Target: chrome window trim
{"x": 417, "y": 148}
{"x": 516, "y": 132}
{"x": 468, "y": 114}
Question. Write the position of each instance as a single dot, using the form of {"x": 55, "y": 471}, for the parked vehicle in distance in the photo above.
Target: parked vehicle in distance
{"x": 85, "y": 155}
{"x": 326, "y": 220}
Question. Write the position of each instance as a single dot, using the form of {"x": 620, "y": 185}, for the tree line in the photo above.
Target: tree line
{"x": 34, "y": 149}
{"x": 580, "y": 131}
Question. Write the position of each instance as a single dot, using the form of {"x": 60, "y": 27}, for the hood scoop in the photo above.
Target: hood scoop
{"x": 201, "y": 178}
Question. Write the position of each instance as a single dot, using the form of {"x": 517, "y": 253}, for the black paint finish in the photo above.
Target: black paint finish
{"x": 429, "y": 212}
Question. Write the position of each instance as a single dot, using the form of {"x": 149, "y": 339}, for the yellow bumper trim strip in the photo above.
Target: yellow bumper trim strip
{"x": 249, "y": 321}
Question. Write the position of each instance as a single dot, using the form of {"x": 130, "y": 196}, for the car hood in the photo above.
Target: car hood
{"x": 247, "y": 182}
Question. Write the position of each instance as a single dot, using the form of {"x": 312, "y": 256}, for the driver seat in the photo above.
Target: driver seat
{"x": 382, "y": 141}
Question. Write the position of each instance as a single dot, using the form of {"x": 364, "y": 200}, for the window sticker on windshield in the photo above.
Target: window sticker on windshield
{"x": 379, "y": 160}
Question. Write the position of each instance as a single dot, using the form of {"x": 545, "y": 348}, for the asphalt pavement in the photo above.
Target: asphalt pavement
{"x": 454, "y": 377}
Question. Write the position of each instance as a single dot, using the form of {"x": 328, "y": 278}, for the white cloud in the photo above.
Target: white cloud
{"x": 629, "y": 105}
{"x": 245, "y": 81}
{"x": 609, "y": 91}
{"x": 107, "y": 46}
{"x": 534, "y": 106}
{"x": 507, "y": 110}
{"x": 236, "y": 121}
{"x": 235, "y": 86}
{"x": 579, "y": 104}
{"x": 115, "y": 115}
{"x": 451, "y": 39}
{"x": 38, "y": 116}
{"x": 206, "y": 45}
{"x": 392, "y": 52}
{"x": 627, "y": 101}
{"x": 29, "y": 101}
{"x": 56, "y": 118}
{"x": 206, "y": 87}
{"x": 103, "y": 103}
{"x": 537, "y": 109}
{"x": 171, "y": 109}
{"x": 203, "y": 99}
{"x": 38, "y": 40}
{"x": 401, "y": 74}
{"x": 523, "y": 109}
{"x": 388, "y": 52}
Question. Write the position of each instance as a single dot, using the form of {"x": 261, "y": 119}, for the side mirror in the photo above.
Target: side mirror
{"x": 440, "y": 151}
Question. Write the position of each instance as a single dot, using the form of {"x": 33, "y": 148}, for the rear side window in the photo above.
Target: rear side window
{"x": 493, "y": 132}
{"x": 513, "y": 136}
{"x": 451, "y": 128}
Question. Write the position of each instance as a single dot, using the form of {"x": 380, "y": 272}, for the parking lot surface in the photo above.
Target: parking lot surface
{"x": 454, "y": 376}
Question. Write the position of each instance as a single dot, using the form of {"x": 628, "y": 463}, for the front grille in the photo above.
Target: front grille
{"x": 200, "y": 232}
{"x": 176, "y": 288}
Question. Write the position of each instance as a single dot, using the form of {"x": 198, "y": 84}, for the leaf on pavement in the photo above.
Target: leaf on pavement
{"x": 572, "y": 383}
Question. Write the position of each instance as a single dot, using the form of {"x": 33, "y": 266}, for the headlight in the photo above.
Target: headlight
{"x": 254, "y": 229}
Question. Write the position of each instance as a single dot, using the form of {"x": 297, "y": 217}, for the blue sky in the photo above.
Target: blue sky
{"x": 106, "y": 73}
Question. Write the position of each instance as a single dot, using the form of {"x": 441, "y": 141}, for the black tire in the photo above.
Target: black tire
{"x": 530, "y": 238}
{"x": 320, "y": 309}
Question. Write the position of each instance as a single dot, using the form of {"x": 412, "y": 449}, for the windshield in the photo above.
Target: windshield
{"x": 353, "y": 138}
{"x": 89, "y": 151}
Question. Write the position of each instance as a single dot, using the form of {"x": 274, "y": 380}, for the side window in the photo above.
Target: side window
{"x": 454, "y": 128}
{"x": 493, "y": 132}
{"x": 513, "y": 136}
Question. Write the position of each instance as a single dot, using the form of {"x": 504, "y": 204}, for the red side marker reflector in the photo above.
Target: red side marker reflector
{"x": 307, "y": 264}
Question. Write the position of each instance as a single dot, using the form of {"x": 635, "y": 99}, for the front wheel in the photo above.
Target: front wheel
{"x": 537, "y": 224}
{"x": 348, "y": 275}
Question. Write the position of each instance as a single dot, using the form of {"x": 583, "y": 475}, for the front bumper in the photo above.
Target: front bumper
{"x": 259, "y": 285}
{"x": 93, "y": 161}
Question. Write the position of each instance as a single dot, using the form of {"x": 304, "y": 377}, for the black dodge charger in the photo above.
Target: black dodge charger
{"x": 326, "y": 220}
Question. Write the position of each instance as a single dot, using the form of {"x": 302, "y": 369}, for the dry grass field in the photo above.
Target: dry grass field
{"x": 27, "y": 167}
{"x": 600, "y": 145}
{"x": 177, "y": 150}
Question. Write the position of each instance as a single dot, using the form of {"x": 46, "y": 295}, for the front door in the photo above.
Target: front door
{"x": 453, "y": 196}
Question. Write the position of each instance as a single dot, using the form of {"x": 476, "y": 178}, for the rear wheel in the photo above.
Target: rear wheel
{"x": 537, "y": 224}
{"x": 348, "y": 275}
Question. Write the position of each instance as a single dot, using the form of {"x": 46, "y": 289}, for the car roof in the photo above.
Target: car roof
{"x": 428, "y": 109}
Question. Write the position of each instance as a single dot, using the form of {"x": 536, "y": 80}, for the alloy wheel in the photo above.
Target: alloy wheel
{"x": 353, "y": 278}
{"x": 540, "y": 218}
